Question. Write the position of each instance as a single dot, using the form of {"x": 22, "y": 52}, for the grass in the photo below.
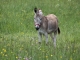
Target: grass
{"x": 18, "y": 37}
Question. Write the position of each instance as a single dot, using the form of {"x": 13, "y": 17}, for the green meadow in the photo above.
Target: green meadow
{"x": 19, "y": 39}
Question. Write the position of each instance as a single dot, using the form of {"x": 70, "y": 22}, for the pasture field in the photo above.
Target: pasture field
{"x": 19, "y": 39}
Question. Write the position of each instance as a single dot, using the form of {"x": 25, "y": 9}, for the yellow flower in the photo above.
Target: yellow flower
{"x": 60, "y": 56}
{"x": 71, "y": 58}
{"x": 4, "y": 50}
{"x": 51, "y": 55}
{"x": 46, "y": 56}
{"x": 16, "y": 57}
{"x": 1, "y": 52}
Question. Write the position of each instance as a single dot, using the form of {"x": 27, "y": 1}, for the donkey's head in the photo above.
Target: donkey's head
{"x": 37, "y": 18}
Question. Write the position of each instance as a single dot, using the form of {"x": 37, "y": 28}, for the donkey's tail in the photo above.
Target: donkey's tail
{"x": 58, "y": 30}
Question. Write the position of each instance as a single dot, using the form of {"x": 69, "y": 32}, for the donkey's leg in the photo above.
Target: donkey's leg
{"x": 55, "y": 34}
{"x": 51, "y": 35}
{"x": 46, "y": 35}
{"x": 53, "y": 38}
{"x": 40, "y": 37}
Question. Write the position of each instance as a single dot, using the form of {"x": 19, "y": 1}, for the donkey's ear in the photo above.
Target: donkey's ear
{"x": 35, "y": 9}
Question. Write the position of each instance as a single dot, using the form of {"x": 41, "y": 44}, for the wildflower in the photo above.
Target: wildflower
{"x": 1, "y": 52}
{"x": 40, "y": 49}
{"x": 71, "y": 58}
{"x": 6, "y": 55}
{"x": 46, "y": 56}
{"x": 51, "y": 55}
{"x": 68, "y": 47}
{"x": 16, "y": 57}
{"x": 60, "y": 56}
{"x": 4, "y": 50}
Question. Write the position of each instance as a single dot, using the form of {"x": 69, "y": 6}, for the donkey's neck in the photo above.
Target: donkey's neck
{"x": 44, "y": 23}
{"x": 41, "y": 16}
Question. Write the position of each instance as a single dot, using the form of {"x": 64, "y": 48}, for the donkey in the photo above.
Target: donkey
{"x": 46, "y": 25}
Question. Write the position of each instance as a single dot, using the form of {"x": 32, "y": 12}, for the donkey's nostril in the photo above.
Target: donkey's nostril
{"x": 37, "y": 28}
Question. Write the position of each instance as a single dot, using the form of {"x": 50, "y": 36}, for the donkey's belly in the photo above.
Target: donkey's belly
{"x": 42, "y": 31}
{"x": 50, "y": 30}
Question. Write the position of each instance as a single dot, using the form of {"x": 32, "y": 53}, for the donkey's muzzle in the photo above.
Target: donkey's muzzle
{"x": 37, "y": 28}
